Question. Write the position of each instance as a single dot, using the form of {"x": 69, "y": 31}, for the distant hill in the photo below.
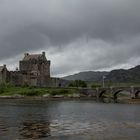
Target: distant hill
{"x": 120, "y": 75}
{"x": 87, "y": 76}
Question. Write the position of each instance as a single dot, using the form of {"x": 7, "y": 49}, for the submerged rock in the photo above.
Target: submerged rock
{"x": 58, "y": 96}
{"x": 46, "y": 95}
{"x": 35, "y": 129}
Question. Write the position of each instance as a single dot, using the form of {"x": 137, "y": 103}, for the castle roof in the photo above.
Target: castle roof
{"x": 28, "y": 57}
{"x": 37, "y": 57}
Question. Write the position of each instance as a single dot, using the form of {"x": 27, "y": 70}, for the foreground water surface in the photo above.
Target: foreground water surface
{"x": 68, "y": 120}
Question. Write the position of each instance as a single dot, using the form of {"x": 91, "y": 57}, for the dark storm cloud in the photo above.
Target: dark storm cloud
{"x": 78, "y": 34}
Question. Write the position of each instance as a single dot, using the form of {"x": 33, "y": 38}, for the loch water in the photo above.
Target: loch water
{"x": 25, "y": 119}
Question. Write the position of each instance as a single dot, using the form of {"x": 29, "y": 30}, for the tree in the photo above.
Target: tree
{"x": 78, "y": 83}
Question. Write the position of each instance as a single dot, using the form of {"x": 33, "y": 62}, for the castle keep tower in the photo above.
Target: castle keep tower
{"x": 35, "y": 69}
{"x": 36, "y": 64}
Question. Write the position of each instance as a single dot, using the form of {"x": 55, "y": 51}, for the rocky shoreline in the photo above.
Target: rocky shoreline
{"x": 71, "y": 97}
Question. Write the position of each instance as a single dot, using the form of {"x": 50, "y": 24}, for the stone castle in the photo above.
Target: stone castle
{"x": 34, "y": 70}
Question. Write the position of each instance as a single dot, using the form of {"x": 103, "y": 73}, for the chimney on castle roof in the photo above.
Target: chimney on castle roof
{"x": 26, "y": 54}
{"x": 43, "y": 53}
{"x": 4, "y": 65}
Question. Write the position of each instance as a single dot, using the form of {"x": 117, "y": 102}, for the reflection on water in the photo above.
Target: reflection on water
{"x": 68, "y": 120}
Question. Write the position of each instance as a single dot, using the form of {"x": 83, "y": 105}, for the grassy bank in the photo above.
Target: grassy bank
{"x": 9, "y": 90}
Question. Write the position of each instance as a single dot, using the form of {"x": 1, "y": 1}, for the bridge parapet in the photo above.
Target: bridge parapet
{"x": 88, "y": 91}
{"x": 134, "y": 91}
{"x": 121, "y": 89}
{"x": 98, "y": 92}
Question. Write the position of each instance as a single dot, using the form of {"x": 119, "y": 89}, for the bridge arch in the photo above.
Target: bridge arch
{"x": 119, "y": 91}
{"x": 101, "y": 93}
{"x": 137, "y": 93}
{"x": 116, "y": 93}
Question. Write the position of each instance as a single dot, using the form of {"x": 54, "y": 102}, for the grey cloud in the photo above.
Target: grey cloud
{"x": 104, "y": 33}
{"x": 87, "y": 58}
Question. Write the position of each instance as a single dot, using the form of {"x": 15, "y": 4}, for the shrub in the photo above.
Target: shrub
{"x": 78, "y": 83}
{"x": 59, "y": 92}
{"x": 3, "y": 87}
{"x": 96, "y": 85}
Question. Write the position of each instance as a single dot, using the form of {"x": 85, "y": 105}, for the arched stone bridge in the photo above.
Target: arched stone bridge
{"x": 99, "y": 92}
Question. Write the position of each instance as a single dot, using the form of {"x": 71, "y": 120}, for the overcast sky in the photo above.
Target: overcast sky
{"x": 77, "y": 35}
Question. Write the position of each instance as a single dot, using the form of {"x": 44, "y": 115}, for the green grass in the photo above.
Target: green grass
{"x": 9, "y": 90}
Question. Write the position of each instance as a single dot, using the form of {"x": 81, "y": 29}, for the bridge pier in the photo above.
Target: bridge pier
{"x": 132, "y": 94}
{"x": 97, "y": 93}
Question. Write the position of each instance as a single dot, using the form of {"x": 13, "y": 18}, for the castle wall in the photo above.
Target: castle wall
{"x": 16, "y": 78}
{"x": 27, "y": 66}
{"x": 58, "y": 82}
{"x": 34, "y": 70}
{"x": 20, "y": 79}
{"x": 44, "y": 68}
{"x": 41, "y": 67}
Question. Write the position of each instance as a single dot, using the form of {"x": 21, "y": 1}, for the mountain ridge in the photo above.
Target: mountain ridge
{"x": 117, "y": 75}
